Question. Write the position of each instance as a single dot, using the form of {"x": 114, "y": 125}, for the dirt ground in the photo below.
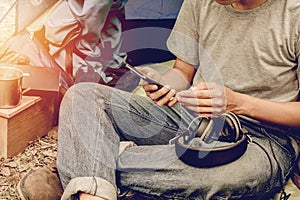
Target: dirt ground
{"x": 39, "y": 152}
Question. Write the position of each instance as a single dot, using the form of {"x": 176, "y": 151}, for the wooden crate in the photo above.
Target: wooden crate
{"x": 33, "y": 118}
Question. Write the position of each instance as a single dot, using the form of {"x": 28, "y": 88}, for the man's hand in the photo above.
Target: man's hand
{"x": 207, "y": 99}
{"x": 161, "y": 96}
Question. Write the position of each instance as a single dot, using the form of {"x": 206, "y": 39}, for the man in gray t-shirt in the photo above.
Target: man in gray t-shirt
{"x": 254, "y": 51}
{"x": 236, "y": 56}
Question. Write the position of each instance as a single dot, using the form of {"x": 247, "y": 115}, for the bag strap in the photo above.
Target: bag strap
{"x": 68, "y": 42}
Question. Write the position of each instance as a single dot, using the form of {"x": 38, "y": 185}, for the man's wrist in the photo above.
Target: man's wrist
{"x": 240, "y": 104}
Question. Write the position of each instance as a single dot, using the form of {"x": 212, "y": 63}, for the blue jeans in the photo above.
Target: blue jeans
{"x": 95, "y": 118}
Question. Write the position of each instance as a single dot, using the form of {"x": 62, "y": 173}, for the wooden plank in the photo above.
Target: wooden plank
{"x": 26, "y": 102}
{"x": 3, "y": 136}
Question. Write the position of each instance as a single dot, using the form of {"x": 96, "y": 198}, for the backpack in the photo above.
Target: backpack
{"x": 30, "y": 45}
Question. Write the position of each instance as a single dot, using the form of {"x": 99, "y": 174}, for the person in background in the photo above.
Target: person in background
{"x": 85, "y": 38}
{"x": 238, "y": 56}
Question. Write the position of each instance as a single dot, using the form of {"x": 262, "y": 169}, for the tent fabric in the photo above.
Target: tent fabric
{"x": 29, "y": 10}
{"x": 152, "y": 9}
{"x": 43, "y": 30}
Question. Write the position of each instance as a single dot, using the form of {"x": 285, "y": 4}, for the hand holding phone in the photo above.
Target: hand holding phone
{"x": 142, "y": 76}
{"x": 168, "y": 96}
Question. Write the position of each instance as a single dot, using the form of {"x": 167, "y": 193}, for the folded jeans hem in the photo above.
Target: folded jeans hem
{"x": 90, "y": 185}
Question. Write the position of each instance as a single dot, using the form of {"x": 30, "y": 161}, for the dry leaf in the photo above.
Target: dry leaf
{"x": 53, "y": 133}
{"x": 13, "y": 179}
{"x": 45, "y": 145}
{"x": 5, "y": 171}
{"x": 49, "y": 153}
{"x": 2, "y": 182}
{"x": 37, "y": 154}
{"x": 23, "y": 168}
{"x": 34, "y": 152}
{"x": 11, "y": 164}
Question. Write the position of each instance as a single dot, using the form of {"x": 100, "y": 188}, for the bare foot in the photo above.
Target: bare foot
{"x": 84, "y": 196}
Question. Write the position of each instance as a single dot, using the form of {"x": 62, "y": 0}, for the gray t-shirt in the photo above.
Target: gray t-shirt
{"x": 255, "y": 52}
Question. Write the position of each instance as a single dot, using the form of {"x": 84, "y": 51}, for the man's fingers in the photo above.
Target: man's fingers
{"x": 196, "y": 102}
{"x": 158, "y": 94}
{"x": 204, "y": 111}
{"x": 195, "y": 94}
{"x": 150, "y": 87}
{"x": 167, "y": 97}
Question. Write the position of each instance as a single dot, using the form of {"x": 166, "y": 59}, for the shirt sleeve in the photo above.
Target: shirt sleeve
{"x": 183, "y": 41}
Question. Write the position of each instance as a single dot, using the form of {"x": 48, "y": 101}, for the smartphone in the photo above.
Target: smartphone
{"x": 142, "y": 76}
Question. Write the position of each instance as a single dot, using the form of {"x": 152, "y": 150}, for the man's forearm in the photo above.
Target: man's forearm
{"x": 280, "y": 113}
{"x": 175, "y": 79}
{"x": 180, "y": 76}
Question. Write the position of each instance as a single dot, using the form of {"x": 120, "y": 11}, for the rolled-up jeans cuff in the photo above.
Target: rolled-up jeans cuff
{"x": 90, "y": 185}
